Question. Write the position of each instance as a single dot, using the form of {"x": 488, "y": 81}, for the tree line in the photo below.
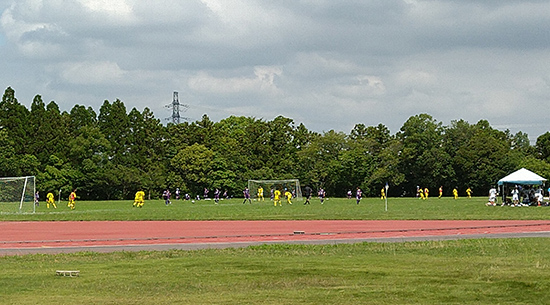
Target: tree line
{"x": 114, "y": 153}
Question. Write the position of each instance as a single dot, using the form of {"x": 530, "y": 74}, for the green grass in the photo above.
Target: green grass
{"x": 485, "y": 271}
{"x": 334, "y": 208}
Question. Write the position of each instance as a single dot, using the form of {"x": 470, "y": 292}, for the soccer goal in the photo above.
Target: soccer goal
{"x": 292, "y": 185}
{"x": 17, "y": 194}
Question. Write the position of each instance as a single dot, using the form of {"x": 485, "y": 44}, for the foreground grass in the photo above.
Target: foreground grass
{"x": 335, "y": 208}
{"x": 486, "y": 271}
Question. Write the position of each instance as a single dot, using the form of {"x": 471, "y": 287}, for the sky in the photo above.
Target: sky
{"x": 324, "y": 63}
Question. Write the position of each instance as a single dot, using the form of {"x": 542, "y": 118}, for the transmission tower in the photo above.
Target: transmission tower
{"x": 176, "y": 109}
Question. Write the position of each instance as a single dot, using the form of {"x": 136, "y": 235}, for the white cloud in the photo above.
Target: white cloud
{"x": 261, "y": 83}
{"x": 92, "y": 73}
{"x": 118, "y": 8}
{"x": 328, "y": 64}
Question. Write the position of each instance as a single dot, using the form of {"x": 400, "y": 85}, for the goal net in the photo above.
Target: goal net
{"x": 292, "y": 185}
{"x": 17, "y": 194}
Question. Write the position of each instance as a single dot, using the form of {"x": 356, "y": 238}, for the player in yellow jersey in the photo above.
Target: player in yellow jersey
{"x": 421, "y": 192}
{"x": 382, "y": 194}
{"x": 277, "y": 197}
{"x": 426, "y": 193}
{"x": 469, "y": 192}
{"x": 136, "y": 199}
{"x": 440, "y": 192}
{"x": 260, "y": 193}
{"x": 50, "y": 199}
{"x": 288, "y": 196}
{"x": 455, "y": 193}
{"x": 139, "y": 199}
{"x": 72, "y": 198}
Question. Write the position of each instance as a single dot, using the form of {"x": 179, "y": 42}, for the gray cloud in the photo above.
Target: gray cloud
{"x": 328, "y": 64}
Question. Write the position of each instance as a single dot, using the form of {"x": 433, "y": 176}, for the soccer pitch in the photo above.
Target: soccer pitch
{"x": 333, "y": 208}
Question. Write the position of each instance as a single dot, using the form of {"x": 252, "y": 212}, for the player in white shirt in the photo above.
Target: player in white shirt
{"x": 492, "y": 197}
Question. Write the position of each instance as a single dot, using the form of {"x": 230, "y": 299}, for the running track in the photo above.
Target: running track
{"x": 107, "y": 236}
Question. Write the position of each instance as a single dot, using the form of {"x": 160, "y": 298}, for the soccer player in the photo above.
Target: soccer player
{"x": 136, "y": 199}
{"x": 358, "y": 194}
{"x": 246, "y": 193}
{"x": 349, "y": 194}
{"x": 206, "y": 191}
{"x": 455, "y": 193}
{"x": 72, "y": 198}
{"x": 426, "y": 193}
{"x": 260, "y": 193}
{"x": 440, "y": 192}
{"x": 421, "y": 192}
{"x": 36, "y": 199}
{"x": 50, "y": 199}
{"x": 217, "y": 196}
{"x": 469, "y": 192}
{"x": 307, "y": 193}
{"x": 277, "y": 197}
{"x": 166, "y": 195}
{"x": 321, "y": 194}
{"x": 139, "y": 199}
{"x": 539, "y": 196}
{"x": 492, "y": 197}
{"x": 382, "y": 194}
{"x": 177, "y": 193}
{"x": 288, "y": 196}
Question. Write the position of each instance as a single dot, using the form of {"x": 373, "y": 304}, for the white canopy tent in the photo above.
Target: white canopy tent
{"x": 522, "y": 176}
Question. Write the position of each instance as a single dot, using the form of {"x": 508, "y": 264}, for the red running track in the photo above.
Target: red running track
{"x": 89, "y": 234}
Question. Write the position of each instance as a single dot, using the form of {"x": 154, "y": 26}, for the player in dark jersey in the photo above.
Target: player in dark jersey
{"x": 307, "y": 194}
{"x": 246, "y": 194}
{"x": 217, "y": 196}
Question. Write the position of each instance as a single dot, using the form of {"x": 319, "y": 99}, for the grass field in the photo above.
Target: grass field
{"x": 483, "y": 271}
{"x": 334, "y": 208}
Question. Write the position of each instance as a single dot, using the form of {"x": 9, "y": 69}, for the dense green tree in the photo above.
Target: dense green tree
{"x": 194, "y": 164}
{"x": 322, "y": 160}
{"x": 15, "y": 119}
{"x": 422, "y": 159}
{"x": 81, "y": 117}
{"x": 58, "y": 176}
{"x": 485, "y": 158}
{"x": 8, "y": 167}
{"x": 111, "y": 155}
{"x": 387, "y": 171}
{"x": 280, "y": 137}
{"x": 114, "y": 123}
{"x": 542, "y": 147}
{"x": 147, "y": 149}
{"x": 538, "y": 166}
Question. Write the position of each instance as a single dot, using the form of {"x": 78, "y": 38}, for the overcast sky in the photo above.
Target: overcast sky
{"x": 325, "y": 63}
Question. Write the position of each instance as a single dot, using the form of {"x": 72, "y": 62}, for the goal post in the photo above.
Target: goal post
{"x": 17, "y": 194}
{"x": 293, "y": 185}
